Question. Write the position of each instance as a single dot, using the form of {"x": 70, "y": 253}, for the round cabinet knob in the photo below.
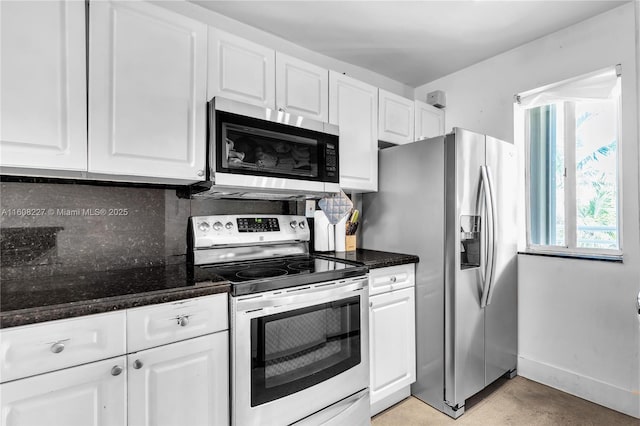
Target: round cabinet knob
{"x": 217, "y": 226}
{"x": 200, "y": 173}
{"x": 116, "y": 370}
{"x": 302, "y": 225}
{"x": 183, "y": 321}
{"x": 293, "y": 224}
{"x": 393, "y": 279}
{"x": 57, "y": 347}
{"x": 204, "y": 226}
{"x": 229, "y": 225}
{"x": 137, "y": 364}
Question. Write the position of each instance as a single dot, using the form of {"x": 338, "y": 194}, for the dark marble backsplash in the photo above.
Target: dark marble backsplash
{"x": 68, "y": 228}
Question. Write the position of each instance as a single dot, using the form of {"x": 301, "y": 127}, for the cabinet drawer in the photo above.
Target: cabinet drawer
{"x": 38, "y": 348}
{"x": 391, "y": 278}
{"x": 156, "y": 325}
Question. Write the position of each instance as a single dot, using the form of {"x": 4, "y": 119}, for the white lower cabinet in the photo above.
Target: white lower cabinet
{"x": 90, "y": 394}
{"x": 184, "y": 383}
{"x": 78, "y": 372}
{"x": 392, "y": 344}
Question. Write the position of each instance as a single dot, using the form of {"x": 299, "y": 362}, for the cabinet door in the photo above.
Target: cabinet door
{"x": 392, "y": 342}
{"x": 43, "y": 85}
{"x": 184, "y": 383}
{"x": 429, "y": 121}
{"x": 147, "y": 92}
{"x": 353, "y": 105}
{"x": 91, "y": 394}
{"x": 240, "y": 69}
{"x": 395, "y": 118}
{"x": 302, "y": 88}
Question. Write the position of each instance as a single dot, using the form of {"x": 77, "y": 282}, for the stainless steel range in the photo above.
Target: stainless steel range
{"x": 299, "y": 322}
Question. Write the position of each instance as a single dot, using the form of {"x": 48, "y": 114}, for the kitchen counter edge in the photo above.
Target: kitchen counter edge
{"x": 373, "y": 259}
{"x": 35, "y": 315}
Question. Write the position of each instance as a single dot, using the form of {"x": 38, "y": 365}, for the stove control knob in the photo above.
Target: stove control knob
{"x": 302, "y": 225}
{"x": 229, "y": 225}
{"x": 204, "y": 226}
{"x": 217, "y": 226}
{"x": 293, "y": 224}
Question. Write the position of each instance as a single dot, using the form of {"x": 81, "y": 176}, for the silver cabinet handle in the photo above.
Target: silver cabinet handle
{"x": 393, "y": 279}
{"x": 57, "y": 347}
{"x": 116, "y": 370}
{"x": 137, "y": 364}
{"x": 183, "y": 320}
{"x": 200, "y": 173}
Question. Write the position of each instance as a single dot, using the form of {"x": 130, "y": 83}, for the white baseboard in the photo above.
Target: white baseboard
{"x": 623, "y": 400}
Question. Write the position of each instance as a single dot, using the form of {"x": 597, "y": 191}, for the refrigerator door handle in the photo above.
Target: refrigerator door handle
{"x": 494, "y": 228}
{"x": 491, "y": 229}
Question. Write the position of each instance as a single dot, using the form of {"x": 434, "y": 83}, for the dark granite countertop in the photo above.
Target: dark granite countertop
{"x": 373, "y": 258}
{"x": 42, "y": 299}
{"x": 34, "y": 300}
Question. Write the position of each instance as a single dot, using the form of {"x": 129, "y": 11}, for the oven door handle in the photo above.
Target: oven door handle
{"x": 310, "y": 296}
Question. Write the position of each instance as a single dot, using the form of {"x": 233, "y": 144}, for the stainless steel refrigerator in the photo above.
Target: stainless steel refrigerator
{"x": 451, "y": 200}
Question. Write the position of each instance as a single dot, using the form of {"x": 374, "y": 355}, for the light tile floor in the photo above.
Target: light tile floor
{"x": 517, "y": 402}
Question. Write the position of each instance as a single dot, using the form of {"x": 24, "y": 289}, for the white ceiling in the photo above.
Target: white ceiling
{"x": 413, "y": 42}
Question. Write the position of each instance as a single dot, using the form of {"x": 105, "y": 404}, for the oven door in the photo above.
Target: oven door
{"x": 299, "y": 350}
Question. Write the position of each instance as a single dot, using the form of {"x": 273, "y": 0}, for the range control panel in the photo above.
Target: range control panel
{"x": 258, "y": 224}
{"x": 210, "y": 231}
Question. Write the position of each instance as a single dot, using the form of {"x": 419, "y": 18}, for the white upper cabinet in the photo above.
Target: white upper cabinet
{"x": 147, "y": 92}
{"x": 302, "y": 88}
{"x": 429, "y": 121}
{"x": 395, "y": 118}
{"x": 353, "y": 105}
{"x": 240, "y": 69}
{"x": 43, "y": 84}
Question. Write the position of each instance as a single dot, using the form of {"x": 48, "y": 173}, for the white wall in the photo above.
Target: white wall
{"x": 266, "y": 39}
{"x": 578, "y": 326}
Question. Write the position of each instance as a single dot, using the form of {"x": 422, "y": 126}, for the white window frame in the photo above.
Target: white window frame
{"x": 522, "y": 132}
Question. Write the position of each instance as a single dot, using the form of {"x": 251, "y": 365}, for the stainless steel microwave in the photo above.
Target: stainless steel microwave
{"x": 256, "y": 152}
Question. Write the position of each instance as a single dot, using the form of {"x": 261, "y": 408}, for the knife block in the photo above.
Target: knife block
{"x": 349, "y": 243}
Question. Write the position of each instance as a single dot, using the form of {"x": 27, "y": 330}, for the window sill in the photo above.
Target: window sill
{"x": 616, "y": 258}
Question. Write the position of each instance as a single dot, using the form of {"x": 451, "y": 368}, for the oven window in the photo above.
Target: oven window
{"x": 297, "y": 349}
{"x": 248, "y": 148}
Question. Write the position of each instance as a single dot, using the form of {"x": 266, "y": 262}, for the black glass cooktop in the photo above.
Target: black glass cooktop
{"x": 263, "y": 275}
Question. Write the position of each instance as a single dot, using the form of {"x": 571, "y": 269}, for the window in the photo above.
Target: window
{"x": 572, "y": 149}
